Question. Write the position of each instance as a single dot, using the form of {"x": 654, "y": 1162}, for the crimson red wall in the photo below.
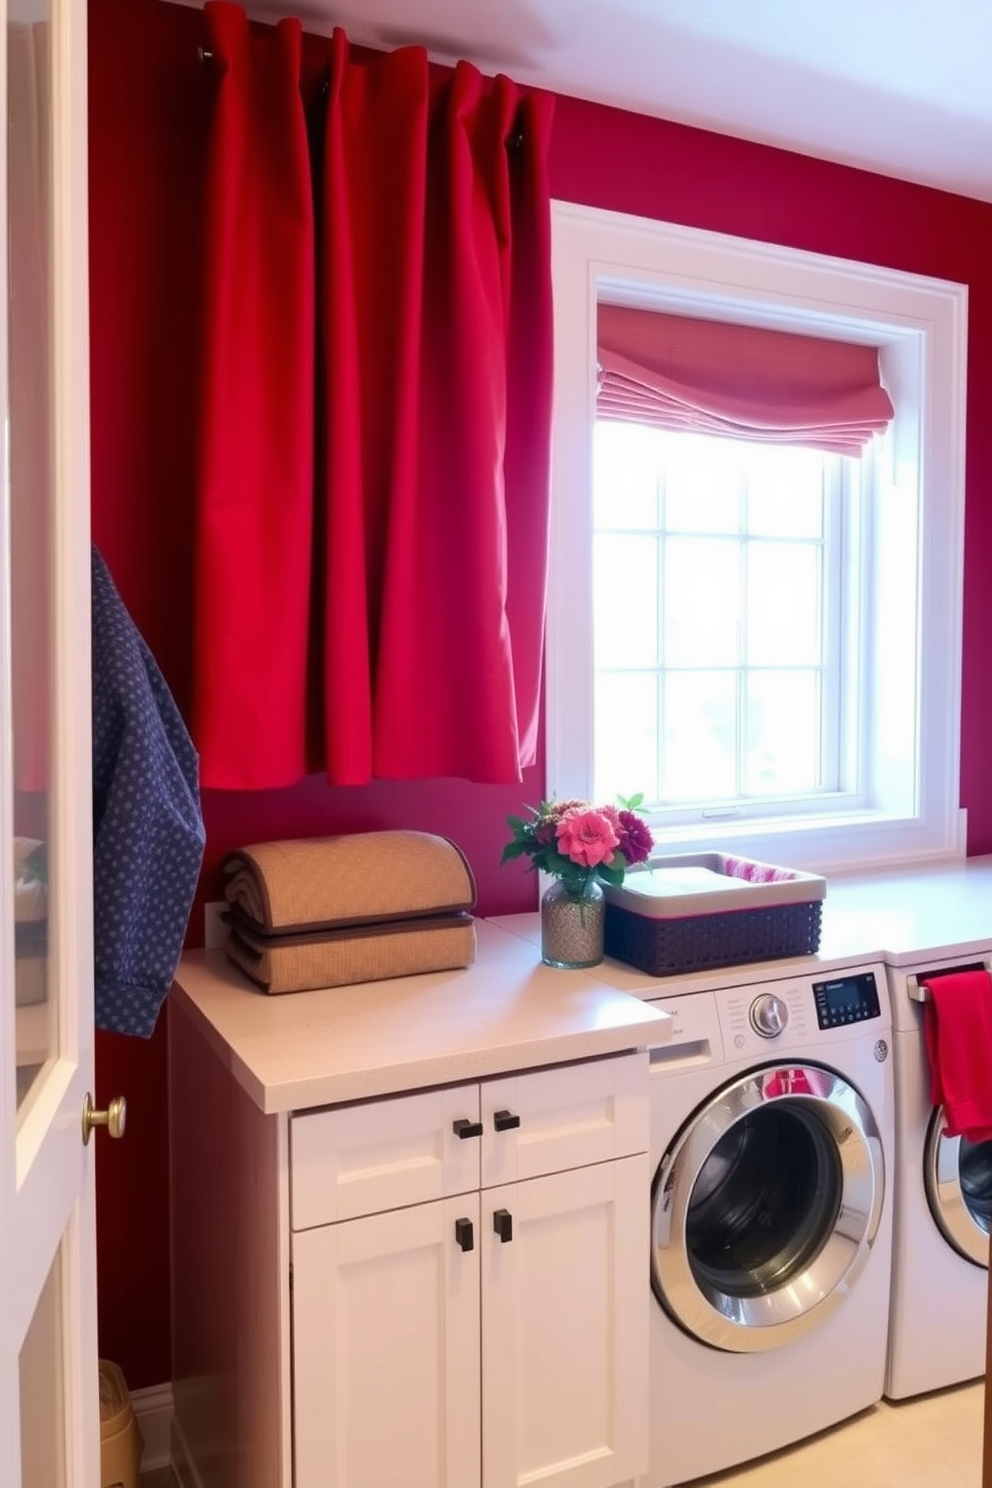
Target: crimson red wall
{"x": 148, "y": 99}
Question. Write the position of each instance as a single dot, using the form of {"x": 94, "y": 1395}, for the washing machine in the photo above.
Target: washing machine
{"x": 771, "y": 1138}
{"x": 943, "y": 1214}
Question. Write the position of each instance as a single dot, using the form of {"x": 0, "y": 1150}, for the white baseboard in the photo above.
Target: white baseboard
{"x": 153, "y": 1411}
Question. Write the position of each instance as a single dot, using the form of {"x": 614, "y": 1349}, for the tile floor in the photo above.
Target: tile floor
{"x": 932, "y": 1442}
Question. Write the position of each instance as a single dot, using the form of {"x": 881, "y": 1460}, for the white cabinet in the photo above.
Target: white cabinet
{"x": 470, "y": 1284}
{"x": 441, "y": 1288}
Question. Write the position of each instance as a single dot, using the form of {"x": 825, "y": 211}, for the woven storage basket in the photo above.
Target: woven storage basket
{"x": 712, "y": 915}
{"x": 120, "y": 1437}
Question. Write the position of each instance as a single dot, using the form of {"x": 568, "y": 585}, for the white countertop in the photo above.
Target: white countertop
{"x": 902, "y": 916}
{"x": 913, "y": 912}
{"x": 506, "y": 1012}
{"x": 509, "y": 1011}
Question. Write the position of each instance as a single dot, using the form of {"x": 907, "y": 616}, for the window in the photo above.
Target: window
{"x": 778, "y": 674}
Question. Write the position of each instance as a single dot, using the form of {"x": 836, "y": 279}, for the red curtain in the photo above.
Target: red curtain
{"x": 435, "y": 418}
{"x": 255, "y": 508}
{"x": 392, "y": 596}
{"x": 710, "y": 377}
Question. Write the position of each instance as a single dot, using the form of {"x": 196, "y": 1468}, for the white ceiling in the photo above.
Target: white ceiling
{"x": 899, "y": 86}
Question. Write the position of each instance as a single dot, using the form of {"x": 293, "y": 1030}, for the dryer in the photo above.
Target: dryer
{"x": 771, "y": 1142}
{"x": 943, "y": 1214}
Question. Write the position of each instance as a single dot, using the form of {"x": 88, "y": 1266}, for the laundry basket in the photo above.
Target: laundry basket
{"x": 120, "y": 1437}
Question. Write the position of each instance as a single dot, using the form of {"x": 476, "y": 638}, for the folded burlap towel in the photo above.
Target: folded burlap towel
{"x": 319, "y": 883}
{"x": 327, "y": 911}
{"x": 364, "y": 953}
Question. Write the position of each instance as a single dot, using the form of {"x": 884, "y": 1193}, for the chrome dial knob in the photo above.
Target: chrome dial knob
{"x": 769, "y": 1015}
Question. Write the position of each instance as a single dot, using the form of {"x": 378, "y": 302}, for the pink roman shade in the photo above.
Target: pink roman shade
{"x": 709, "y": 377}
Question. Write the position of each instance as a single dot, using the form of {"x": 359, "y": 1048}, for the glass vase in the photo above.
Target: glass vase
{"x": 572, "y": 922}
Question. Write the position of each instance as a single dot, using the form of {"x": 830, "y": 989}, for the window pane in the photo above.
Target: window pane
{"x": 625, "y": 616}
{"x": 784, "y": 491}
{"x": 702, "y": 484}
{"x": 626, "y": 741}
{"x": 32, "y": 597}
{"x": 625, "y": 475}
{"x": 783, "y": 604}
{"x": 700, "y": 760}
{"x": 783, "y": 733}
{"x": 701, "y": 602}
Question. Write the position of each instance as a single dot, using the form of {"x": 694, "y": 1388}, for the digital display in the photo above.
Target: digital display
{"x": 847, "y": 999}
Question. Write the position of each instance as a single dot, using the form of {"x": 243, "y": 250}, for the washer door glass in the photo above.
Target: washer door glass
{"x": 957, "y": 1175}
{"x": 766, "y": 1206}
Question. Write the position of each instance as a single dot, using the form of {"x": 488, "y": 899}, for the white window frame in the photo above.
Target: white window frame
{"x": 920, "y": 326}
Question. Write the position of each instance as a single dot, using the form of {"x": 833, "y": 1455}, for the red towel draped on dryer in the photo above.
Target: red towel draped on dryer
{"x": 958, "y": 1029}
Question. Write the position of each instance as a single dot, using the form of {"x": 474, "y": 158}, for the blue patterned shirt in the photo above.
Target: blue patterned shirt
{"x": 148, "y": 832}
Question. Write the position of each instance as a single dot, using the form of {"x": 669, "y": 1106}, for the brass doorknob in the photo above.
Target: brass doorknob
{"x": 114, "y": 1118}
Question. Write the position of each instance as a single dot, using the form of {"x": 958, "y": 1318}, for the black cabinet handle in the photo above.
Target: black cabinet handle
{"x": 464, "y": 1234}
{"x": 505, "y": 1120}
{"x": 465, "y": 1128}
{"x": 503, "y": 1224}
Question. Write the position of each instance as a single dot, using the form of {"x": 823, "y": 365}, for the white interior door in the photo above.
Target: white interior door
{"x": 49, "y": 1409}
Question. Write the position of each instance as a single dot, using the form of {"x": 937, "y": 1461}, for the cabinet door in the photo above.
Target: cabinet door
{"x": 386, "y": 1350}
{"x": 546, "y": 1121}
{"x": 565, "y": 1310}
{"x": 353, "y": 1160}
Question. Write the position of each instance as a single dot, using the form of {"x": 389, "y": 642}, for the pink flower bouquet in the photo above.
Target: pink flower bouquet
{"x": 579, "y": 843}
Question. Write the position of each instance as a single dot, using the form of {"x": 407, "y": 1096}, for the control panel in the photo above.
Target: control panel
{"x": 755, "y": 1017}
{"x": 849, "y": 998}
{"x": 764, "y": 1018}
